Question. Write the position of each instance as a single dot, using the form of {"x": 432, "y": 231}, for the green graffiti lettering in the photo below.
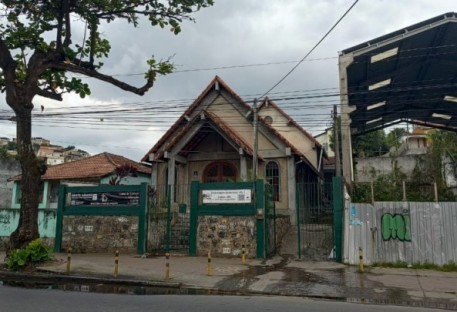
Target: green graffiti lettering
{"x": 397, "y": 226}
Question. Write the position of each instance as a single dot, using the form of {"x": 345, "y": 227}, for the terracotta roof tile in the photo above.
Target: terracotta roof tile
{"x": 96, "y": 166}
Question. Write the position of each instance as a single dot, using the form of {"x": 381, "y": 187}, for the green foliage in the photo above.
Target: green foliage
{"x": 3, "y": 153}
{"x": 17, "y": 260}
{"x": 371, "y": 144}
{"x": 11, "y": 146}
{"x": 34, "y": 252}
{"x": 42, "y": 31}
{"x": 394, "y": 137}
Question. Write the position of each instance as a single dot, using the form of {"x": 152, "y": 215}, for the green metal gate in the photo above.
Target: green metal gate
{"x": 319, "y": 220}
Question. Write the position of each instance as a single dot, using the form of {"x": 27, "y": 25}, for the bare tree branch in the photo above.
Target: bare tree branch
{"x": 49, "y": 94}
{"x": 71, "y": 67}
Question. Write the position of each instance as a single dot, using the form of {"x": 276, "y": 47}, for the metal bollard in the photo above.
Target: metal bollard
{"x": 167, "y": 266}
{"x": 210, "y": 271}
{"x": 243, "y": 255}
{"x": 360, "y": 260}
{"x": 116, "y": 263}
{"x": 69, "y": 260}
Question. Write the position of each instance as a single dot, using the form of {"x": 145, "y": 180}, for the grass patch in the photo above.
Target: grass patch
{"x": 448, "y": 267}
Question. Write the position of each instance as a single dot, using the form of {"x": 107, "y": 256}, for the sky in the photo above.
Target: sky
{"x": 250, "y": 44}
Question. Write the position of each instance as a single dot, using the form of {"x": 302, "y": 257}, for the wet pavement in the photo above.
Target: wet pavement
{"x": 282, "y": 275}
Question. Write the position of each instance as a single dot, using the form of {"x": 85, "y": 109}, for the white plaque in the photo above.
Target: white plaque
{"x": 226, "y": 196}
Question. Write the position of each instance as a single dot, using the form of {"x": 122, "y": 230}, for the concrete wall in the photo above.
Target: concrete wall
{"x": 9, "y": 167}
{"x": 9, "y": 219}
{"x": 366, "y": 169}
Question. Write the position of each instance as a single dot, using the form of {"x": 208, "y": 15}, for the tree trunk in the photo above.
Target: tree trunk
{"x": 32, "y": 169}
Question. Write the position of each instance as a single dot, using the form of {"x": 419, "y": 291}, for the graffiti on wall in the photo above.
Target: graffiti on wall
{"x": 396, "y": 226}
{"x": 5, "y": 219}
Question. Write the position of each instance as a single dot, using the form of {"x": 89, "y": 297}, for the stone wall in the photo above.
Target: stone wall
{"x": 282, "y": 227}
{"x": 225, "y": 236}
{"x": 156, "y": 231}
{"x": 86, "y": 234}
{"x": 9, "y": 167}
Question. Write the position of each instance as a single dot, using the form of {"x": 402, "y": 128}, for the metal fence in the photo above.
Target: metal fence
{"x": 169, "y": 224}
{"x": 411, "y": 232}
{"x": 315, "y": 221}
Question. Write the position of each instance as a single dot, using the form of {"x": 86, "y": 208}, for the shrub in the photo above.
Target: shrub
{"x": 34, "y": 252}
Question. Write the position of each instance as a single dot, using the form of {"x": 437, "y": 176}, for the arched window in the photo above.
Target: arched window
{"x": 273, "y": 178}
{"x": 220, "y": 171}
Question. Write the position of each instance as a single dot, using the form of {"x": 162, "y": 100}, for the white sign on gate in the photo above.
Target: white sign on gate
{"x": 226, "y": 196}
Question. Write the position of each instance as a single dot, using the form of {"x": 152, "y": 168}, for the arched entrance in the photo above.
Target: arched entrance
{"x": 220, "y": 171}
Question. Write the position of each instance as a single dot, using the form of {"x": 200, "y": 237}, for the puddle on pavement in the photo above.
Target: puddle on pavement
{"x": 319, "y": 293}
{"x": 108, "y": 288}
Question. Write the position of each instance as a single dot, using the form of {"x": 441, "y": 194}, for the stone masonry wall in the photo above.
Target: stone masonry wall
{"x": 283, "y": 225}
{"x": 157, "y": 231}
{"x": 226, "y": 235}
{"x": 85, "y": 234}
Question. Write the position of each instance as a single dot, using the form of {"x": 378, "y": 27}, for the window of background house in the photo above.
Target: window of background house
{"x": 272, "y": 176}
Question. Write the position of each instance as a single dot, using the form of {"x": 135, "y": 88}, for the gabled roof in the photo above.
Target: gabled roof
{"x": 183, "y": 125}
{"x": 216, "y": 83}
{"x": 267, "y": 102}
{"x": 96, "y": 166}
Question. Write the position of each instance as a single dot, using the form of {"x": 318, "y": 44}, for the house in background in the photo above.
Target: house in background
{"x": 94, "y": 170}
{"x": 213, "y": 141}
{"x": 91, "y": 171}
{"x": 325, "y": 139}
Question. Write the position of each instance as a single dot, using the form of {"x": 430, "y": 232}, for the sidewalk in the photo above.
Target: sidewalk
{"x": 278, "y": 276}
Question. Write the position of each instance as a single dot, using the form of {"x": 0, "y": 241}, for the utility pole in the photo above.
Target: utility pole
{"x": 256, "y": 143}
{"x": 336, "y": 135}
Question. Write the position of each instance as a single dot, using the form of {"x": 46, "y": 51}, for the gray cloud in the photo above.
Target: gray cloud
{"x": 232, "y": 33}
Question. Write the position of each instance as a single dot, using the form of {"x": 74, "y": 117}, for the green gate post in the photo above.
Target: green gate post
{"x": 168, "y": 234}
{"x": 194, "y": 199}
{"x": 338, "y": 217}
{"x": 59, "y": 219}
{"x": 298, "y": 198}
{"x": 261, "y": 228}
{"x": 143, "y": 219}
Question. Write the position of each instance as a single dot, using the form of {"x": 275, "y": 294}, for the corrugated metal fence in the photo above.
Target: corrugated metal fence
{"x": 412, "y": 232}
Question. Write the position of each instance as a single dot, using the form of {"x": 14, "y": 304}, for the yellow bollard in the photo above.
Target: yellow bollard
{"x": 243, "y": 255}
{"x": 360, "y": 259}
{"x": 167, "y": 266}
{"x": 69, "y": 260}
{"x": 116, "y": 263}
{"x": 209, "y": 264}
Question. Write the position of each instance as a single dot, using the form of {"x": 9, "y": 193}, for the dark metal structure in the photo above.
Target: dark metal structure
{"x": 409, "y": 75}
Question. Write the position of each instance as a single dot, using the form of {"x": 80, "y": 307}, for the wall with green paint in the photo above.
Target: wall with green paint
{"x": 9, "y": 219}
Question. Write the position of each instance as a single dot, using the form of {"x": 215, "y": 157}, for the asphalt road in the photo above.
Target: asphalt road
{"x": 14, "y": 299}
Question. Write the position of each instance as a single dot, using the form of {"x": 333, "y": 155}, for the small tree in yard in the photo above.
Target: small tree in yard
{"x": 37, "y": 53}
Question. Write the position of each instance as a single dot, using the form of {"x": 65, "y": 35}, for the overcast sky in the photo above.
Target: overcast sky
{"x": 258, "y": 40}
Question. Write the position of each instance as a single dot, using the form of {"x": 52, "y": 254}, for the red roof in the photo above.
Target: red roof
{"x": 96, "y": 166}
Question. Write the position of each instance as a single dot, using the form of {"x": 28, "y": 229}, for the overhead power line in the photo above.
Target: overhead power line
{"x": 311, "y": 51}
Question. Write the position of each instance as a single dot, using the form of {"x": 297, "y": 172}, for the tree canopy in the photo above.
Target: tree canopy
{"x": 38, "y": 52}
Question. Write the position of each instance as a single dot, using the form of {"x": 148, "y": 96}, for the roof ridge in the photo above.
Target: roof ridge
{"x": 193, "y": 106}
